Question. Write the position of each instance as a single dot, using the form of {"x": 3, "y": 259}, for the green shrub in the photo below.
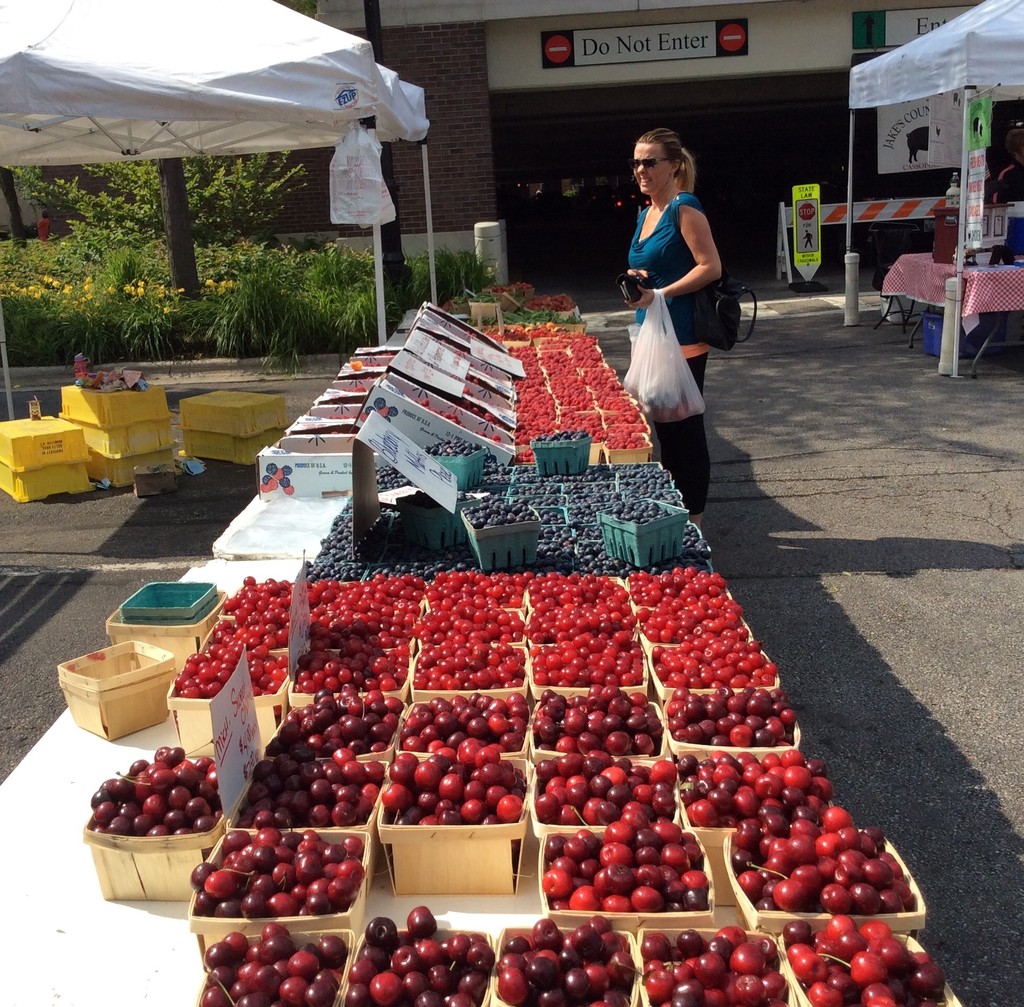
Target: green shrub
{"x": 115, "y": 303}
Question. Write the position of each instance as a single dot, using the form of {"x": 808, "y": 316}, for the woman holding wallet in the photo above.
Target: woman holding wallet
{"x": 673, "y": 251}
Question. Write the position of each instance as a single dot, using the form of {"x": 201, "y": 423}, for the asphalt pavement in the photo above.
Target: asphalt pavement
{"x": 863, "y": 509}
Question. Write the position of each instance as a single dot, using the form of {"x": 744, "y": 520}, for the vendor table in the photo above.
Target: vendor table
{"x": 987, "y": 289}
{"x": 83, "y": 946}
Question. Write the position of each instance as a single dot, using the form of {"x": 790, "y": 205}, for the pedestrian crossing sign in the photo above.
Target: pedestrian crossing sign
{"x": 806, "y": 229}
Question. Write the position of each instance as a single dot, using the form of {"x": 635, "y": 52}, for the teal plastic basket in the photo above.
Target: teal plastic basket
{"x": 503, "y": 546}
{"x": 427, "y": 523}
{"x": 468, "y": 469}
{"x": 564, "y": 458}
{"x": 645, "y": 543}
{"x": 170, "y": 603}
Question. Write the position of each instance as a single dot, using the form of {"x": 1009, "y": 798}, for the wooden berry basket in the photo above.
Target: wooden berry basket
{"x": 628, "y": 456}
{"x": 181, "y": 640}
{"x": 426, "y": 695}
{"x": 632, "y": 923}
{"x": 440, "y": 935}
{"x": 118, "y": 690}
{"x": 193, "y": 720}
{"x": 148, "y": 868}
{"x": 536, "y": 691}
{"x": 520, "y": 754}
{"x": 673, "y": 932}
{"x": 300, "y": 699}
{"x": 301, "y": 937}
{"x": 367, "y": 829}
{"x": 678, "y": 748}
{"x": 494, "y": 1000}
{"x": 455, "y": 859}
{"x": 798, "y": 997}
{"x": 613, "y": 582}
{"x": 209, "y": 929}
{"x": 537, "y": 754}
{"x": 772, "y": 921}
{"x": 664, "y": 692}
{"x": 543, "y": 829}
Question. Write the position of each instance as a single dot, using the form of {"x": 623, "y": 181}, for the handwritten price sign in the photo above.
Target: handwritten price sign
{"x": 236, "y": 734}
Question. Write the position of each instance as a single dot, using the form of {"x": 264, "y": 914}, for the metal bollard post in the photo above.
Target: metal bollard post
{"x": 852, "y": 308}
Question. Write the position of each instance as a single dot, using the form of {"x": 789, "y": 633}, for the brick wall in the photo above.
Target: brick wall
{"x": 450, "y": 63}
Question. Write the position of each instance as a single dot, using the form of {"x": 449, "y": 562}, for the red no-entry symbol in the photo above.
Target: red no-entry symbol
{"x": 557, "y": 48}
{"x": 732, "y": 36}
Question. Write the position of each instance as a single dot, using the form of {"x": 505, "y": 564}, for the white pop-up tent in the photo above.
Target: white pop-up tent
{"x": 976, "y": 54}
{"x": 86, "y": 81}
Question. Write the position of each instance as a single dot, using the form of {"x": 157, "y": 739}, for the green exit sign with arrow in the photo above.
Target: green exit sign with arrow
{"x": 880, "y": 29}
{"x": 868, "y": 29}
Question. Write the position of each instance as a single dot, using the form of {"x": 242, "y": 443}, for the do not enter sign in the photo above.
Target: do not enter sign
{"x": 557, "y": 48}
{"x": 732, "y": 37}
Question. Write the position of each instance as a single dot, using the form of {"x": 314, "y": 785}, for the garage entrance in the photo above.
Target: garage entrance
{"x": 569, "y": 199}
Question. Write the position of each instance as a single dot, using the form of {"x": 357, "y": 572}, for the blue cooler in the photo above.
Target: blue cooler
{"x": 1015, "y": 227}
{"x": 970, "y": 343}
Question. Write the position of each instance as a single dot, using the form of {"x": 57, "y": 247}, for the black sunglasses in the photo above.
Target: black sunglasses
{"x": 647, "y": 162}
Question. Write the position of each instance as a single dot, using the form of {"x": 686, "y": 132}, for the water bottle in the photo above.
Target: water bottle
{"x": 953, "y": 192}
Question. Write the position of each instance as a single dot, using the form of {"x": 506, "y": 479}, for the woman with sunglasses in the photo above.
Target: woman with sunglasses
{"x": 673, "y": 251}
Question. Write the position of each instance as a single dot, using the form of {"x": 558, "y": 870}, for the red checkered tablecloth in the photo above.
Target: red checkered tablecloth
{"x": 986, "y": 288}
{"x": 993, "y": 288}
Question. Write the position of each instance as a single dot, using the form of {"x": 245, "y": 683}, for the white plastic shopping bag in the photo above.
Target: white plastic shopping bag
{"x": 658, "y": 376}
{"x": 359, "y": 194}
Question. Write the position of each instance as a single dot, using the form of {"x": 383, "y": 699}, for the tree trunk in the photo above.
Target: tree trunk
{"x": 178, "y": 226}
{"x": 11, "y": 196}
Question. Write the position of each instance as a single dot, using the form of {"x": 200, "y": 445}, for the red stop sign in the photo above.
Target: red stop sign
{"x": 806, "y": 211}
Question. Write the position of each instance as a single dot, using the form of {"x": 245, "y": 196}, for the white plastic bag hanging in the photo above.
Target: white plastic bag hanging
{"x": 359, "y": 194}
{"x": 659, "y": 378}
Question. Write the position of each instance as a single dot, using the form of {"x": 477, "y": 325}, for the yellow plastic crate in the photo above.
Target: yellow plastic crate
{"x": 135, "y": 439}
{"x": 35, "y": 444}
{"x": 121, "y": 471}
{"x": 36, "y": 484}
{"x": 112, "y": 409}
{"x": 237, "y": 414}
{"x": 227, "y": 448}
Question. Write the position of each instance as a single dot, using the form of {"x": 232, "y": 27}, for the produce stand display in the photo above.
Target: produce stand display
{"x": 542, "y": 666}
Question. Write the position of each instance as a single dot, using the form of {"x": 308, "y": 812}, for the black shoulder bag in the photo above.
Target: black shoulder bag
{"x": 717, "y": 313}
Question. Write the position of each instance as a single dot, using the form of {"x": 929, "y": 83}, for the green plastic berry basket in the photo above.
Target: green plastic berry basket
{"x": 172, "y": 603}
{"x": 648, "y": 542}
{"x": 428, "y": 524}
{"x": 467, "y": 469}
{"x": 503, "y": 546}
{"x": 564, "y": 458}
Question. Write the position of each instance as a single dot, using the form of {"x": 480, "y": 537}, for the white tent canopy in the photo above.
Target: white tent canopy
{"x": 977, "y": 53}
{"x": 981, "y": 48}
{"x": 97, "y": 80}
{"x": 85, "y": 81}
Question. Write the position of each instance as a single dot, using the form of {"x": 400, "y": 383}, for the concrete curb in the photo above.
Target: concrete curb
{"x": 169, "y": 372}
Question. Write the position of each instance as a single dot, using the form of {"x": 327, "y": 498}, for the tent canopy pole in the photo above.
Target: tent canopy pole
{"x": 430, "y": 221}
{"x": 6, "y": 368}
{"x": 378, "y": 279}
